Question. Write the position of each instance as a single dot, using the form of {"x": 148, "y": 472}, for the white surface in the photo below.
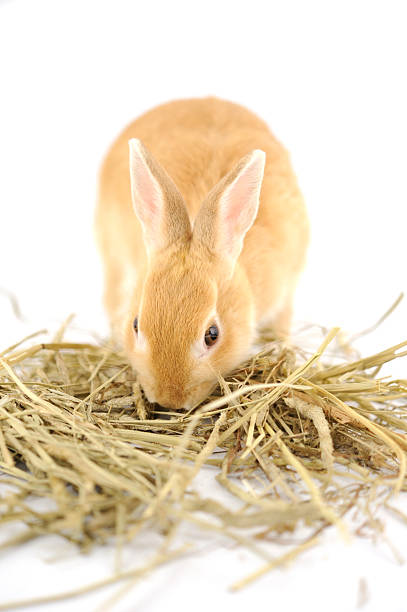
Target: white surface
{"x": 330, "y": 79}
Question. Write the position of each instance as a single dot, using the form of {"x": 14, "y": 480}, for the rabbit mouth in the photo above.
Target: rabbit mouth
{"x": 177, "y": 398}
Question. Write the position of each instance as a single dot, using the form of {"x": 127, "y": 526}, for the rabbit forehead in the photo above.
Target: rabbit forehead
{"x": 177, "y": 301}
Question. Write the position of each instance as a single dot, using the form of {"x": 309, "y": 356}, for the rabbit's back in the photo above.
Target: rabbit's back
{"x": 197, "y": 141}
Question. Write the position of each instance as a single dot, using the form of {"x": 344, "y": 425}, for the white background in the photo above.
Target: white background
{"x": 330, "y": 79}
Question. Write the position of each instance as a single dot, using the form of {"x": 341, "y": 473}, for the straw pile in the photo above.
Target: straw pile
{"x": 297, "y": 442}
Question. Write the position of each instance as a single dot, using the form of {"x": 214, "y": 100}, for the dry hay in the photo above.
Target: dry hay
{"x": 295, "y": 441}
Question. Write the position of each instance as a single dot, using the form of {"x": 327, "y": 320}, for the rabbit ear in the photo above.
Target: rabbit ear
{"x": 231, "y": 207}
{"x": 157, "y": 201}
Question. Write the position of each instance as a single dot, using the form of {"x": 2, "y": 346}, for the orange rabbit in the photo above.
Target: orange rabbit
{"x": 202, "y": 243}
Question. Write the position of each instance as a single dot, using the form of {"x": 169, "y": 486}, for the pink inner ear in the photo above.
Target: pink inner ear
{"x": 147, "y": 196}
{"x": 238, "y": 200}
{"x": 239, "y": 203}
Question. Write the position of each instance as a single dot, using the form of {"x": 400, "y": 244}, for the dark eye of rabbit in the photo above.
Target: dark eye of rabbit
{"x": 211, "y": 335}
{"x": 135, "y": 325}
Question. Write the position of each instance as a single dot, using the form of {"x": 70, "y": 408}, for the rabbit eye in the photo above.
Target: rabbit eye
{"x": 135, "y": 325}
{"x": 211, "y": 335}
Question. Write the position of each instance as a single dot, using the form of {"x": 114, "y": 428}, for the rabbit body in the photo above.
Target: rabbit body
{"x": 183, "y": 261}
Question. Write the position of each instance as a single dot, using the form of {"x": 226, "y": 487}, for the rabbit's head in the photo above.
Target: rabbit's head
{"x": 192, "y": 314}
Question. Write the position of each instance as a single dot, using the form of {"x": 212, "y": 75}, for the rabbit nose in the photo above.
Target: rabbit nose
{"x": 173, "y": 400}
{"x": 168, "y": 405}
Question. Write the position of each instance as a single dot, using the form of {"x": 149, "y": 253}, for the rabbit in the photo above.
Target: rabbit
{"x": 203, "y": 234}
